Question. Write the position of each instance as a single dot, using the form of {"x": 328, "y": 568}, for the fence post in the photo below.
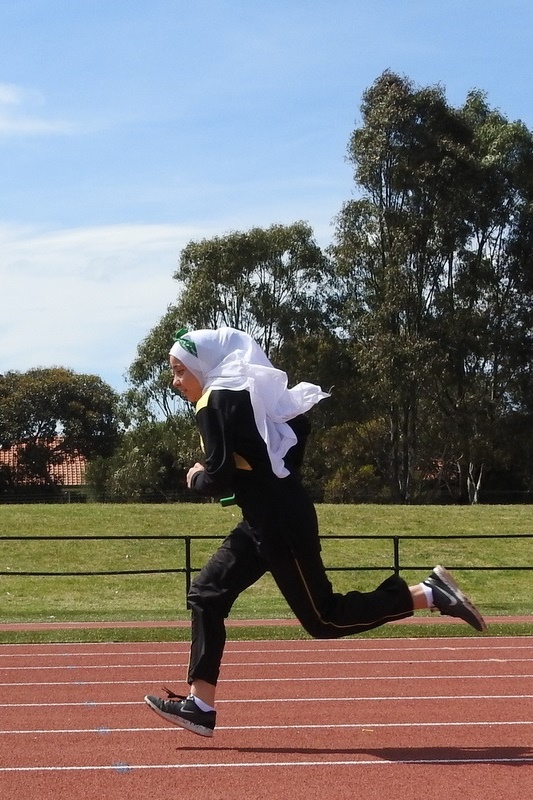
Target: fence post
{"x": 396, "y": 546}
{"x": 188, "y": 568}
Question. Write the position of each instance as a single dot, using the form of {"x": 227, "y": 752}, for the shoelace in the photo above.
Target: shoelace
{"x": 172, "y": 695}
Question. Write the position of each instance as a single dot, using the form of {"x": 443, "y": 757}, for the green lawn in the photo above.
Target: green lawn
{"x": 162, "y": 596}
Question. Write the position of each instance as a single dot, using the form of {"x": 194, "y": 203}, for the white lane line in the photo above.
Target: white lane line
{"x": 265, "y": 664}
{"x": 356, "y": 699}
{"x": 103, "y": 730}
{"x": 384, "y": 643}
{"x": 378, "y": 678}
{"x": 105, "y": 654}
{"x": 377, "y": 762}
{"x": 297, "y": 679}
{"x": 434, "y": 649}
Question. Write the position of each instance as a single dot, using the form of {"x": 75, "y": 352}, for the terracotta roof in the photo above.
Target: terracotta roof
{"x": 70, "y": 472}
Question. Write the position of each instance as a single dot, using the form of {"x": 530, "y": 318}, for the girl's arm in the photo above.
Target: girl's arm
{"x": 216, "y": 478}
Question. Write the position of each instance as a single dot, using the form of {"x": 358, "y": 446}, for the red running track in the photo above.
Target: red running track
{"x": 443, "y": 719}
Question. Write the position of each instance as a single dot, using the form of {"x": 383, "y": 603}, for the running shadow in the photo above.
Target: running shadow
{"x": 515, "y": 756}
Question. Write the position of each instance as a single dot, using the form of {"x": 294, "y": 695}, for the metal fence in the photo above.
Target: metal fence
{"x": 396, "y": 563}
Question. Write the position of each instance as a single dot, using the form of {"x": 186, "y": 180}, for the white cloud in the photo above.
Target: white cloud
{"x": 15, "y": 119}
{"x": 10, "y": 94}
{"x": 84, "y": 298}
{"x": 27, "y": 126}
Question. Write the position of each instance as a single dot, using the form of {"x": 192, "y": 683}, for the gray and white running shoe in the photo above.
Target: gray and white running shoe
{"x": 450, "y": 600}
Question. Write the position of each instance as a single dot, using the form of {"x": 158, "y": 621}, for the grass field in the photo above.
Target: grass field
{"x": 162, "y": 596}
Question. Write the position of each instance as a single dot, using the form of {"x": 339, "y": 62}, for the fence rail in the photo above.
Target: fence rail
{"x": 396, "y": 564}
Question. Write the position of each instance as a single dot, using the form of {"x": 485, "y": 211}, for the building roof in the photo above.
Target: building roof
{"x": 70, "y": 472}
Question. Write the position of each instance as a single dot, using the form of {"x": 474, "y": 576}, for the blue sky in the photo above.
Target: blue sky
{"x": 130, "y": 127}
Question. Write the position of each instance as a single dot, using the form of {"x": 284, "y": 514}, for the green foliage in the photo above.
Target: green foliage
{"x": 152, "y": 395}
{"x": 55, "y": 413}
{"x": 433, "y": 262}
{"x": 262, "y": 281}
{"x": 150, "y": 463}
{"x": 43, "y": 403}
{"x": 354, "y": 485}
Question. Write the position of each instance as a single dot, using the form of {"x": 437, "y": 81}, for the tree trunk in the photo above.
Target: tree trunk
{"x": 474, "y": 483}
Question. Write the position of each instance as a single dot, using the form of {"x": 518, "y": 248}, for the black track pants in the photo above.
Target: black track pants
{"x": 303, "y": 582}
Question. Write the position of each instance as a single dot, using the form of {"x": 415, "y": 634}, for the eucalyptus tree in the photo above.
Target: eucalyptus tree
{"x": 484, "y": 311}
{"x": 150, "y": 463}
{"x": 434, "y": 260}
{"x": 268, "y": 282}
{"x": 263, "y": 281}
{"x": 150, "y": 396}
{"x": 55, "y": 412}
{"x": 412, "y": 162}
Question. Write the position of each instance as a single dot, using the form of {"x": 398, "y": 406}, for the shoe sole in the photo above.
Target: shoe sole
{"x": 448, "y": 581}
{"x": 200, "y": 730}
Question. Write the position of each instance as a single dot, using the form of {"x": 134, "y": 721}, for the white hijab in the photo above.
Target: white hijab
{"x": 230, "y": 359}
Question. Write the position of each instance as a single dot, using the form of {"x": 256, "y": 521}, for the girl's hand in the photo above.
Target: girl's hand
{"x": 192, "y": 472}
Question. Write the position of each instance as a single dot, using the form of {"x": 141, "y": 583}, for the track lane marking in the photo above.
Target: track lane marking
{"x": 103, "y": 730}
{"x": 240, "y": 665}
{"x": 357, "y": 699}
{"x": 233, "y": 651}
{"x": 355, "y": 678}
{"x": 377, "y": 762}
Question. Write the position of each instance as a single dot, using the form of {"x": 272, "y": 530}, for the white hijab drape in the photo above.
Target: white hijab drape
{"x": 226, "y": 358}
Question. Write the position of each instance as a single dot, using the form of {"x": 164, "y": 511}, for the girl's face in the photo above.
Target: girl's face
{"x": 185, "y": 381}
